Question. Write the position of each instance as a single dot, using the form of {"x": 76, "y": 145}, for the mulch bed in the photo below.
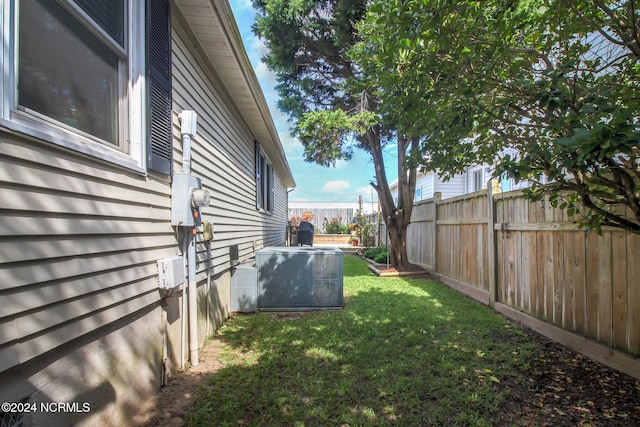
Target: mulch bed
{"x": 413, "y": 271}
{"x": 564, "y": 388}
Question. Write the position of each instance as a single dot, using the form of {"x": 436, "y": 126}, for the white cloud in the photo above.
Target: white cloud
{"x": 289, "y": 143}
{"x": 257, "y": 47}
{"x": 242, "y": 4}
{"x": 266, "y": 77}
{"x": 365, "y": 191}
{"x": 332, "y": 187}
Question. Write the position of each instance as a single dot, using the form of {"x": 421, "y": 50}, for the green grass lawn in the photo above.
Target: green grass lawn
{"x": 402, "y": 352}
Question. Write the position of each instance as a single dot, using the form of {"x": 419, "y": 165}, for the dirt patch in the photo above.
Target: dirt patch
{"x": 410, "y": 271}
{"x": 563, "y": 388}
{"x": 168, "y": 407}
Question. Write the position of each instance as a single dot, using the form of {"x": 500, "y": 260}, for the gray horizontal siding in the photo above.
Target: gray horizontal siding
{"x": 79, "y": 238}
{"x": 223, "y": 156}
{"x": 51, "y": 337}
{"x": 78, "y": 244}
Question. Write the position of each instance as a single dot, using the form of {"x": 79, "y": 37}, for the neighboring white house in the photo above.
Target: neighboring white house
{"x": 475, "y": 178}
{"x": 429, "y": 183}
{"x": 90, "y": 143}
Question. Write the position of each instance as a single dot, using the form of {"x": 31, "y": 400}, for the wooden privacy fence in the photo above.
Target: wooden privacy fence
{"x": 530, "y": 262}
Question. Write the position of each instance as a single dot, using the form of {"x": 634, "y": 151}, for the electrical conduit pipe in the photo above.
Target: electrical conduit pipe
{"x": 187, "y": 130}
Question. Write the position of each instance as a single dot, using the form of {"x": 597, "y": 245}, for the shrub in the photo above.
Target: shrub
{"x": 378, "y": 254}
{"x": 372, "y": 253}
{"x": 335, "y": 226}
{"x": 381, "y": 258}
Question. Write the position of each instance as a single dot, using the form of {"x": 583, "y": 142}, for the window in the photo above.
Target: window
{"x": 477, "y": 180}
{"x": 79, "y": 73}
{"x": 505, "y": 182}
{"x": 69, "y": 72}
{"x": 264, "y": 181}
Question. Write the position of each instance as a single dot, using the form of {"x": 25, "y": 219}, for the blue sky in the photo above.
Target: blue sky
{"x": 347, "y": 180}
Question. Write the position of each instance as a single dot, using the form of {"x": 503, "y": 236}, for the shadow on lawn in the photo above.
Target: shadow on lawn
{"x": 404, "y": 352}
{"x": 398, "y": 353}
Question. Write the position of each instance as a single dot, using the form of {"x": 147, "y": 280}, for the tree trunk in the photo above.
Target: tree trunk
{"x": 398, "y": 247}
{"x": 395, "y": 218}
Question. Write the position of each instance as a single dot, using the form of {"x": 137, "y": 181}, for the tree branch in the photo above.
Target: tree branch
{"x": 610, "y": 218}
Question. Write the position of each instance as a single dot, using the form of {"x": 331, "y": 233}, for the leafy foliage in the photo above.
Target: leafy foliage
{"x": 327, "y": 97}
{"x": 335, "y": 226}
{"x": 325, "y": 134}
{"x": 365, "y": 228}
{"x": 547, "y": 90}
{"x": 378, "y": 254}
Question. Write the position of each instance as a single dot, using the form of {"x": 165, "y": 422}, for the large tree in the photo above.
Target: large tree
{"x": 332, "y": 109}
{"x": 556, "y": 81}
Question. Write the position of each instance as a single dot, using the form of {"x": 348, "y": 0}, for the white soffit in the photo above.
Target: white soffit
{"x": 214, "y": 26}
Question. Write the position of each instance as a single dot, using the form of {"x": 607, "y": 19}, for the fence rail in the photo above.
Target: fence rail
{"x": 532, "y": 262}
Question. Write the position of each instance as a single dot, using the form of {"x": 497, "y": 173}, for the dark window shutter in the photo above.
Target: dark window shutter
{"x": 258, "y": 176}
{"x": 158, "y": 39}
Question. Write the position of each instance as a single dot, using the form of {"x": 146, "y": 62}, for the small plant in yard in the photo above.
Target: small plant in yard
{"x": 401, "y": 352}
{"x": 335, "y": 226}
{"x": 363, "y": 228}
{"x": 378, "y": 254}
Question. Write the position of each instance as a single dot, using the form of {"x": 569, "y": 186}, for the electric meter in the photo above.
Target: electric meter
{"x": 199, "y": 198}
{"x": 187, "y": 196}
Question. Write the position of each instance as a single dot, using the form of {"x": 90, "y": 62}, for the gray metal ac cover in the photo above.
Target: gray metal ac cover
{"x": 244, "y": 287}
{"x": 300, "y": 278}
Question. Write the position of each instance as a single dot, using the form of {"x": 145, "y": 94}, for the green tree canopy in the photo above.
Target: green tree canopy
{"x": 547, "y": 90}
{"x": 332, "y": 110}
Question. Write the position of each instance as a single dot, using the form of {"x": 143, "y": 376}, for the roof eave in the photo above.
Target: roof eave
{"x": 215, "y": 27}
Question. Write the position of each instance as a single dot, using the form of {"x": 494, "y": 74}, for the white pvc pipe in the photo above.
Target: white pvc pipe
{"x": 188, "y": 126}
{"x": 186, "y": 153}
{"x": 185, "y": 309}
{"x": 192, "y": 290}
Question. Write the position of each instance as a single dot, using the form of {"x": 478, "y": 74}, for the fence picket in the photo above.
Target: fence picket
{"x": 633, "y": 294}
{"x": 531, "y": 257}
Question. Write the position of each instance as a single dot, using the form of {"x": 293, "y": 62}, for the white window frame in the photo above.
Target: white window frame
{"x": 132, "y": 109}
{"x": 477, "y": 180}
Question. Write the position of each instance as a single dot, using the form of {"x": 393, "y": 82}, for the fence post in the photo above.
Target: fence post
{"x": 491, "y": 245}
{"x": 437, "y": 196}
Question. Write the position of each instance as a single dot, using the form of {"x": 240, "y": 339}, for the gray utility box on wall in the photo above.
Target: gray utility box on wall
{"x": 182, "y": 210}
{"x": 300, "y": 278}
